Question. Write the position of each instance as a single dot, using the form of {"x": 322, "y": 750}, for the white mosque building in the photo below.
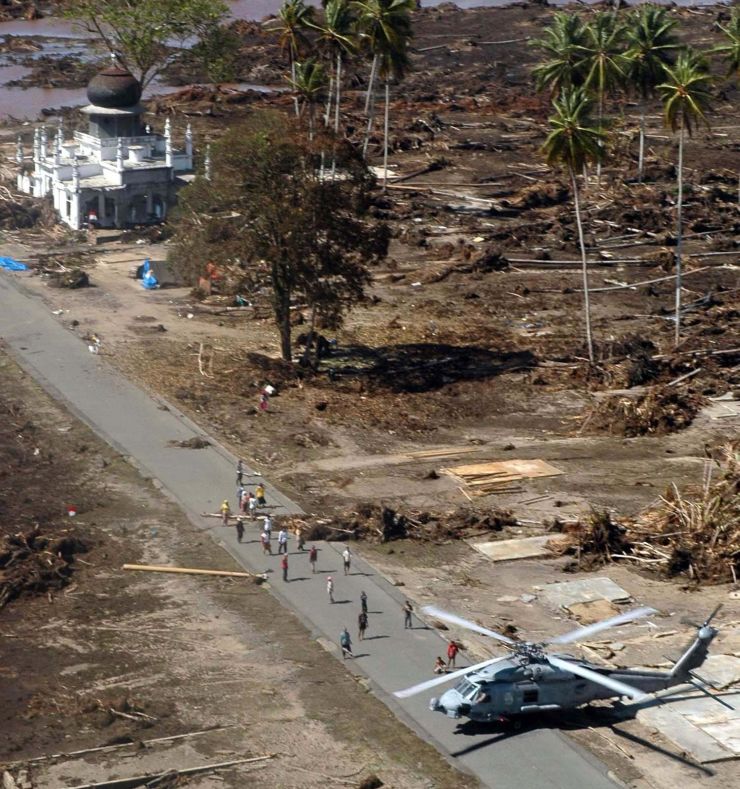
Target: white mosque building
{"x": 117, "y": 173}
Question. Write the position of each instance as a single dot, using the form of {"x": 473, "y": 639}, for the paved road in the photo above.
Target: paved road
{"x": 391, "y": 658}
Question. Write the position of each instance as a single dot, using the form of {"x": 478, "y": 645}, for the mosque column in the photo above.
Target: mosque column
{"x": 75, "y": 196}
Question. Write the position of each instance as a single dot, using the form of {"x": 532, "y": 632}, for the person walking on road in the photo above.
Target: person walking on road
{"x": 239, "y": 472}
{"x": 363, "y": 601}
{"x": 225, "y": 512}
{"x": 266, "y": 545}
{"x": 283, "y": 541}
{"x": 243, "y": 498}
{"x": 239, "y": 529}
{"x": 347, "y": 558}
{"x": 452, "y": 650}
{"x": 284, "y": 565}
{"x": 259, "y": 492}
{"x": 251, "y": 505}
{"x": 267, "y": 524}
{"x": 313, "y": 556}
{"x": 301, "y": 540}
{"x": 346, "y": 643}
{"x": 408, "y": 609}
{"x": 330, "y": 589}
{"x": 361, "y": 625}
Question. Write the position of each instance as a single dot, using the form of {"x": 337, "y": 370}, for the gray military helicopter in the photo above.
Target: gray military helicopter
{"x": 531, "y": 680}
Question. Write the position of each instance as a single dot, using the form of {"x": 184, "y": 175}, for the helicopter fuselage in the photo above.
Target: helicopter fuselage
{"x": 527, "y": 683}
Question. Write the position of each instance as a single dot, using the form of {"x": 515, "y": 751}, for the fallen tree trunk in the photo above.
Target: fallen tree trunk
{"x": 154, "y": 568}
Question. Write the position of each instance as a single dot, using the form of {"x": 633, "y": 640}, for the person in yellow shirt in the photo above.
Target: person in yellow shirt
{"x": 226, "y": 512}
{"x": 260, "y": 494}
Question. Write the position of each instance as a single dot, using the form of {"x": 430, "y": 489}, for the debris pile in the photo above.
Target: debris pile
{"x": 696, "y": 533}
{"x": 377, "y": 523}
{"x": 659, "y": 411}
{"x": 37, "y": 563}
{"x": 691, "y": 533}
{"x": 594, "y": 541}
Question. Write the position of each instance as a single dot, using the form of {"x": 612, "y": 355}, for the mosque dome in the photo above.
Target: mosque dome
{"x": 114, "y": 88}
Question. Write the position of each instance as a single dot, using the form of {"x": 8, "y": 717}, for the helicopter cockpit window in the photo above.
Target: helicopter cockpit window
{"x": 466, "y": 689}
{"x": 530, "y": 696}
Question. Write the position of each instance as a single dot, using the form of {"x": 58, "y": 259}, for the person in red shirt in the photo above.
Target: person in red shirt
{"x": 284, "y": 565}
{"x": 452, "y": 650}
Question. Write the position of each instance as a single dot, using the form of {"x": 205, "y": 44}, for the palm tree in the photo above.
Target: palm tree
{"x": 572, "y": 143}
{"x": 310, "y": 85}
{"x": 336, "y": 38}
{"x": 731, "y": 50}
{"x": 686, "y": 100}
{"x": 385, "y": 26}
{"x": 292, "y": 20}
{"x": 603, "y": 64}
{"x": 651, "y": 46}
{"x": 562, "y": 45}
{"x": 393, "y": 65}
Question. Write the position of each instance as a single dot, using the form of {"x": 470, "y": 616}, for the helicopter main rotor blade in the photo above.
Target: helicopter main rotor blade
{"x": 608, "y": 682}
{"x": 431, "y": 683}
{"x": 583, "y": 632}
{"x": 453, "y": 619}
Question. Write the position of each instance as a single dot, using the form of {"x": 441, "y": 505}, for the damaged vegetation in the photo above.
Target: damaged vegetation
{"x": 380, "y": 524}
{"x": 693, "y": 534}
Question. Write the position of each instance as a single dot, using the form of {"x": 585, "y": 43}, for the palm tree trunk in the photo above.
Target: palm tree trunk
{"x": 679, "y": 218}
{"x": 292, "y": 77}
{"x": 385, "y": 135}
{"x": 641, "y": 151}
{"x": 370, "y": 105}
{"x": 336, "y": 114}
{"x": 371, "y": 83}
{"x": 584, "y": 264}
{"x": 327, "y": 114}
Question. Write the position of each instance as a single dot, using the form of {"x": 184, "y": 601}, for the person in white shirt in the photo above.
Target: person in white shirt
{"x": 283, "y": 541}
{"x": 347, "y": 556}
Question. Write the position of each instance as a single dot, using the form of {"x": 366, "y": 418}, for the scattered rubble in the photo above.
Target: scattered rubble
{"x": 36, "y": 563}
{"x": 377, "y": 523}
{"x": 659, "y": 411}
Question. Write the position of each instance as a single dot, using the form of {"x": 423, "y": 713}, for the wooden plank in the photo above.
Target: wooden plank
{"x": 153, "y": 568}
{"x": 523, "y": 468}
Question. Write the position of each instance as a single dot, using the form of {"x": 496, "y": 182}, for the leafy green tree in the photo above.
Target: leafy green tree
{"x": 652, "y": 45}
{"x": 562, "y": 47}
{"x": 686, "y": 101}
{"x": 144, "y": 35}
{"x": 385, "y": 27}
{"x": 292, "y": 22}
{"x": 217, "y": 53}
{"x": 310, "y": 85}
{"x": 265, "y": 209}
{"x": 731, "y": 50}
{"x": 572, "y": 143}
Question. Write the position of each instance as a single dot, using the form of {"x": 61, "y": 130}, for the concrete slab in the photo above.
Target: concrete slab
{"x": 566, "y": 593}
{"x": 720, "y": 671}
{"x": 505, "y": 550}
{"x": 593, "y": 611}
{"x": 698, "y": 725}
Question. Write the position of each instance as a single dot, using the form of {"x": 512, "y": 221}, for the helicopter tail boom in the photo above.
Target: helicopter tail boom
{"x": 696, "y": 653}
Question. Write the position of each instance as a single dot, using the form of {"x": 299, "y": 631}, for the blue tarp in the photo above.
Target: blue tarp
{"x": 148, "y": 280}
{"x": 12, "y": 265}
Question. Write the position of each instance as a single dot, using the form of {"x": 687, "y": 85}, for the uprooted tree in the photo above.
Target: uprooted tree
{"x": 146, "y": 35}
{"x": 266, "y": 208}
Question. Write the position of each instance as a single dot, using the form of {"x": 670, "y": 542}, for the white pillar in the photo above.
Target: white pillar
{"x": 75, "y": 175}
{"x": 74, "y": 211}
{"x": 207, "y": 163}
{"x": 36, "y": 145}
{"x": 19, "y": 150}
{"x": 167, "y": 143}
{"x": 189, "y": 143}
{"x": 43, "y": 143}
{"x": 119, "y": 156}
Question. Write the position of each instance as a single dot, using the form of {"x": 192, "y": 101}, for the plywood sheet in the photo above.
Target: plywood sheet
{"x": 505, "y": 550}
{"x": 514, "y": 468}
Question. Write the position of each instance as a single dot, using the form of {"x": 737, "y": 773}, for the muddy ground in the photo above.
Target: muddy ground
{"x": 463, "y": 341}
{"x": 180, "y": 654}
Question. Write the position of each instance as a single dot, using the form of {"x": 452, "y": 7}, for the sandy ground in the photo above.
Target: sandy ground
{"x": 190, "y": 653}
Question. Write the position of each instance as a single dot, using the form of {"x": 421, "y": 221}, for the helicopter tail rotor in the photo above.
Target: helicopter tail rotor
{"x": 600, "y": 679}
